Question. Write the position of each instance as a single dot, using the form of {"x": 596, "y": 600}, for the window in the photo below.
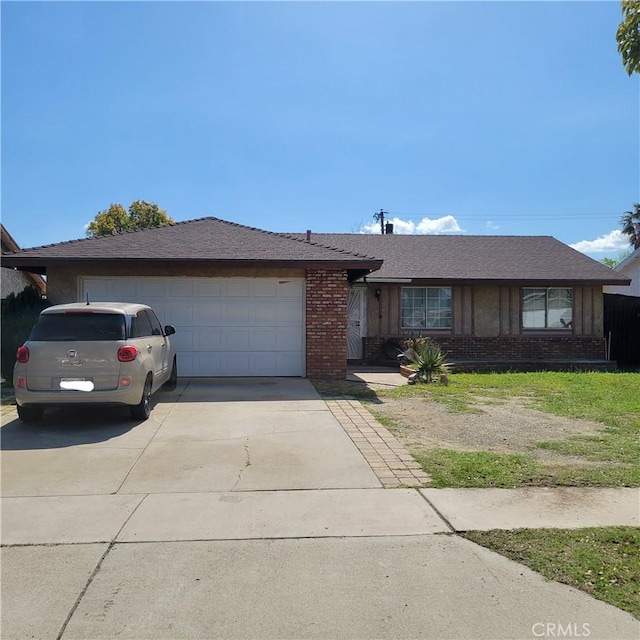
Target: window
{"x": 425, "y": 307}
{"x": 78, "y": 326}
{"x": 548, "y": 308}
{"x": 140, "y": 325}
{"x": 156, "y": 327}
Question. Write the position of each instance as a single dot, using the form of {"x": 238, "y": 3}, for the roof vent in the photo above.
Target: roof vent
{"x": 308, "y": 235}
{"x": 388, "y": 228}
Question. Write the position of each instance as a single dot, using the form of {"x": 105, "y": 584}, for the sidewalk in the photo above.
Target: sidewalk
{"x": 477, "y": 509}
{"x": 244, "y": 510}
{"x": 372, "y": 375}
{"x": 483, "y": 509}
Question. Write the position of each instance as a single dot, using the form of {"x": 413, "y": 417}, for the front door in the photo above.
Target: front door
{"x": 356, "y": 321}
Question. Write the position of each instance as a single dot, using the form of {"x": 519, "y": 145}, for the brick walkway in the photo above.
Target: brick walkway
{"x": 388, "y": 458}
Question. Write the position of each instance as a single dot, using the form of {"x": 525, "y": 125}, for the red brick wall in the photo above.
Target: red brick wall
{"x": 503, "y": 348}
{"x": 326, "y": 324}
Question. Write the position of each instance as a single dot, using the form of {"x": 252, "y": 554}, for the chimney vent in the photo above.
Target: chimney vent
{"x": 388, "y": 228}
{"x": 308, "y": 235}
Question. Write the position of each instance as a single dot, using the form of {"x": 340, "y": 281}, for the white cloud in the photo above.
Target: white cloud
{"x": 374, "y": 227}
{"x": 492, "y": 225}
{"x": 404, "y": 227}
{"x": 433, "y": 226}
{"x": 612, "y": 241}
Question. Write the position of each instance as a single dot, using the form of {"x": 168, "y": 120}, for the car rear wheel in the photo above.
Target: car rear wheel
{"x": 142, "y": 410}
{"x": 172, "y": 381}
{"x": 30, "y": 414}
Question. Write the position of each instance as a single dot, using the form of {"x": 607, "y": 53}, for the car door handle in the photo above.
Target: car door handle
{"x": 149, "y": 347}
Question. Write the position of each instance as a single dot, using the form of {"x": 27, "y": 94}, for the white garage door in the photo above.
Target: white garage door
{"x": 224, "y": 326}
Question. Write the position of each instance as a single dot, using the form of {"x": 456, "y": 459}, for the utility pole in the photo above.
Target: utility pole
{"x": 379, "y": 217}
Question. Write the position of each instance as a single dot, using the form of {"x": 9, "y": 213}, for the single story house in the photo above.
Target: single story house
{"x": 515, "y": 300}
{"x": 15, "y": 281}
{"x": 247, "y": 302}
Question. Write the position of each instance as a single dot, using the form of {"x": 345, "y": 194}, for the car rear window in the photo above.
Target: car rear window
{"x": 79, "y": 326}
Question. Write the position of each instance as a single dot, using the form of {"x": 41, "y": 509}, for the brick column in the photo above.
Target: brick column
{"x": 326, "y": 336}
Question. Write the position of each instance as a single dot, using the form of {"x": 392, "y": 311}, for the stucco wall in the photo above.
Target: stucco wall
{"x": 630, "y": 270}
{"x": 13, "y": 281}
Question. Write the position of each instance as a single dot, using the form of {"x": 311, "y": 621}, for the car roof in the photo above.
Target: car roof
{"x": 124, "y": 308}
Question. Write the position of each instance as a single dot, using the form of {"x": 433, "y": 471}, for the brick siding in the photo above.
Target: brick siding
{"x": 326, "y": 324}
{"x": 511, "y": 348}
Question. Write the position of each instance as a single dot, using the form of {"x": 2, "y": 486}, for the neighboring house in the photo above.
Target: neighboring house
{"x": 622, "y": 313}
{"x": 15, "y": 281}
{"x": 247, "y": 302}
{"x": 630, "y": 268}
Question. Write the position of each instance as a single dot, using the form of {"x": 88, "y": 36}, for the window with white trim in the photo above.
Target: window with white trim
{"x": 425, "y": 307}
{"x": 547, "y": 308}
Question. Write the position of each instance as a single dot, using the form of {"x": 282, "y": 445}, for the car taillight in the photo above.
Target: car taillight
{"x": 22, "y": 354}
{"x": 127, "y": 354}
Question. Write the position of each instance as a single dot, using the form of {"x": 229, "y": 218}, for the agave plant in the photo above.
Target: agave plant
{"x": 427, "y": 358}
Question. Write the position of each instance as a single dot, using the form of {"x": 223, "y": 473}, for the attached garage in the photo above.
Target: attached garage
{"x": 224, "y": 326}
{"x": 244, "y": 302}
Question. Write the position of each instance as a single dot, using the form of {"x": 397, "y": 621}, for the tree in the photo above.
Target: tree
{"x": 609, "y": 262}
{"x": 19, "y": 313}
{"x": 116, "y": 218}
{"x": 147, "y": 214}
{"x": 612, "y": 263}
{"x": 630, "y": 222}
{"x": 628, "y": 36}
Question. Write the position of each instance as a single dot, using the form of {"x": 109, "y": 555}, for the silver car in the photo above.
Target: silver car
{"x": 107, "y": 353}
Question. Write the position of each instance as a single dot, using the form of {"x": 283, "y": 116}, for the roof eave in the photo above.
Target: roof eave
{"x": 39, "y": 265}
{"x": 546, "y": 282}
{"x": 632, "y": 257}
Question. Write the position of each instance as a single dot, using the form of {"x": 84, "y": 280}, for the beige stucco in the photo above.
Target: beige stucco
{"x": 13, "y": 281}
{"x": 630, "y": 267}
{"x": 63, "y": 286}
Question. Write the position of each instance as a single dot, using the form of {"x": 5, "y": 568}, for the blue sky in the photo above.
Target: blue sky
{"x": 465, "y": 117}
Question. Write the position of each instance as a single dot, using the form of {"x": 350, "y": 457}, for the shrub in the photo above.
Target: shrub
{"x": 427, "y": 358}
{"x": 19, "y": 314}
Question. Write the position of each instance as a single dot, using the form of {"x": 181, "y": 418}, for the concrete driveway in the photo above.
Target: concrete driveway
{"x": 241, "y": 509}
{"x": 208, "y": 435}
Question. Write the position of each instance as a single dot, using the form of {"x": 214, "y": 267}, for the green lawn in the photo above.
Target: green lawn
{"x": 612, "y": 456}
{"x": 603, "y": 562}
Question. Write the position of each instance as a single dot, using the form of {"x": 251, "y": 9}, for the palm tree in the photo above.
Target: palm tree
{"x": 630, "y": 222}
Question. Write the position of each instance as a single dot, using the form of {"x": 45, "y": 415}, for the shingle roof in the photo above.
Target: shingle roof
{"x": 533, "y": 259}
{"x": 458, "y": 258}
{"x": 204, "y": 239}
